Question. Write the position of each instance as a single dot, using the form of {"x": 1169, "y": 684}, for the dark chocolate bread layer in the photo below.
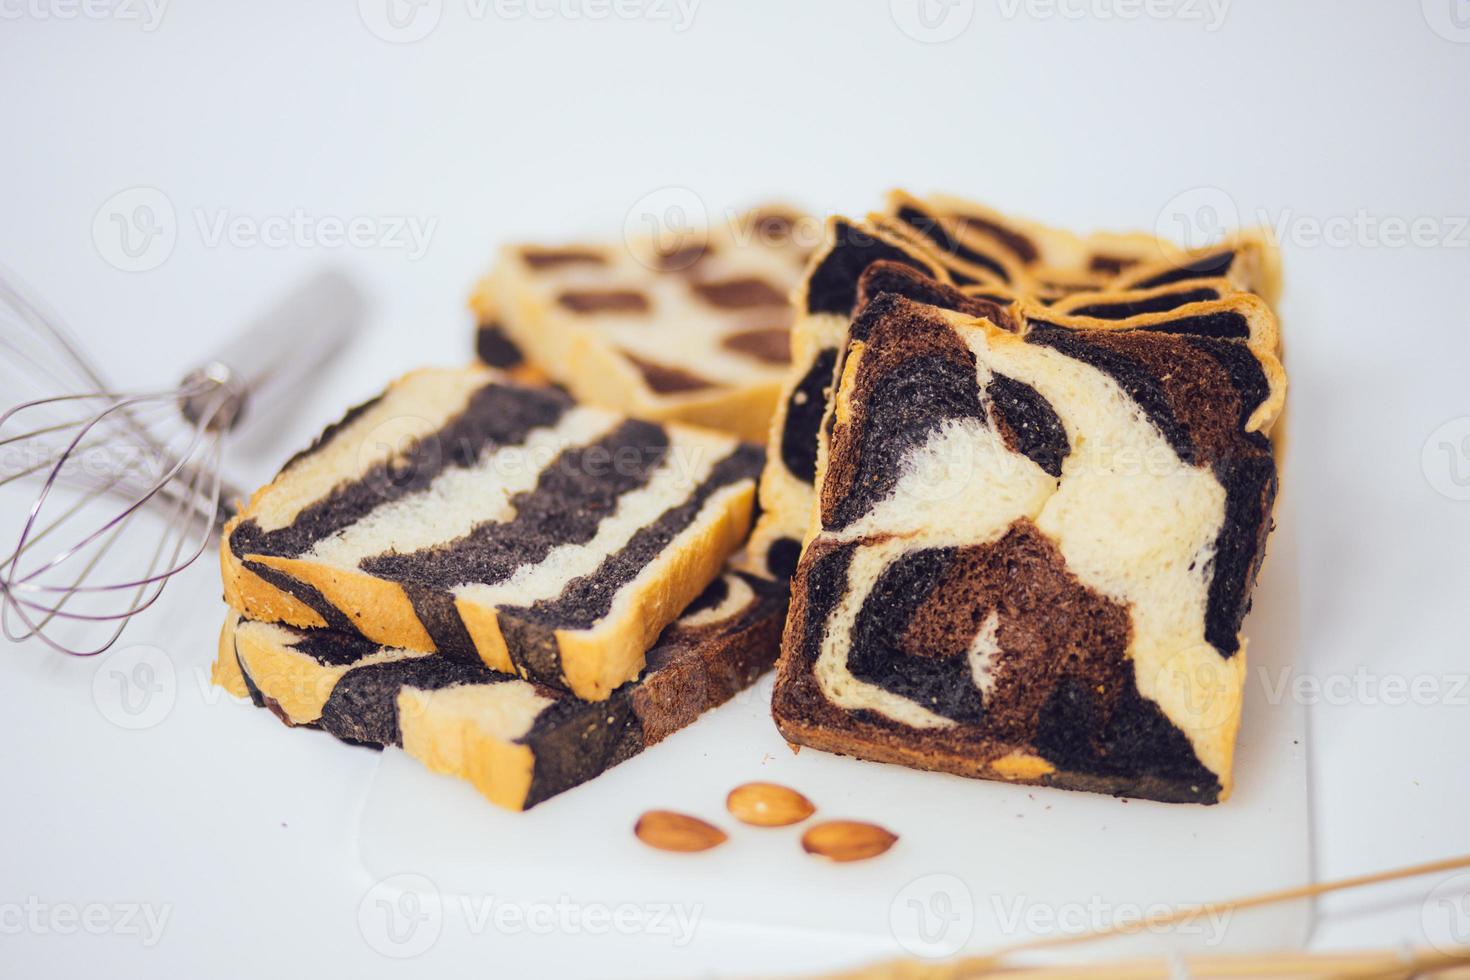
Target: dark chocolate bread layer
{"x": 1034, "y": 552}
{"x": 519, "y": 743}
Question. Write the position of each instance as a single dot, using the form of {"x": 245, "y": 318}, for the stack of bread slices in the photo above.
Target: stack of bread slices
{"x": 1016, "y": 482}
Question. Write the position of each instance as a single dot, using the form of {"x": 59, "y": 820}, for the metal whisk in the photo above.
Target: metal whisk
{"x": 130, "y": 490}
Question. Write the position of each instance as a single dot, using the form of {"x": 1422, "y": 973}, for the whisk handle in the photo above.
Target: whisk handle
{"x": 281, "y": 347}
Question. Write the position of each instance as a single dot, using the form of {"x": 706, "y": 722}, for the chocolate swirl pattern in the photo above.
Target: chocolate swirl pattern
{"x": 963, "y": 256}
{"x": 494, "y": 523}
{"x": 1033, "y": 549}
{"x": 517, "y": 742}
{"x": 824, "y": 303}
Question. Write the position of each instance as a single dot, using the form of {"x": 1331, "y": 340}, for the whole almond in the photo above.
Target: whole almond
{"x": 768, "y": 805}
{"x": 847, "y": 840}
{"x": 670, "y": 831}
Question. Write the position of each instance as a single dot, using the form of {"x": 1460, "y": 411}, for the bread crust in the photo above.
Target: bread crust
{"x": 698, "y": 663}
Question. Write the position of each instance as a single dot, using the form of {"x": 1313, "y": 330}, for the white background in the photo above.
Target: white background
{"x": 1340, "y": 120}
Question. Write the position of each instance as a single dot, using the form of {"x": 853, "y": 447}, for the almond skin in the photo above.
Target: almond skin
{"x": 670, "y": 831}
{"x": 847, "y": 840}
{"x": 768, "y": 805}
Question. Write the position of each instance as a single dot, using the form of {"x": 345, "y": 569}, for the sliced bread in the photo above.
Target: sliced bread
{"x": 518, "y": 742}
{"x": 1033, "y": 552}
{"x": 459, "y": 512}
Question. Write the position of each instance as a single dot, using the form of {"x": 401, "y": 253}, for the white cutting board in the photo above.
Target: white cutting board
{"x": 978, "y": 864}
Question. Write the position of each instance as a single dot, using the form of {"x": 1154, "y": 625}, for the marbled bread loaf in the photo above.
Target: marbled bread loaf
{"x": 697, "y": 333}
{"x": 519, "y": 743}
{"x": 988, "y": 255}
{"x": 1034, "y": 552}
{"x": 462, "y": 513}
{"x": 1185, "y": 289}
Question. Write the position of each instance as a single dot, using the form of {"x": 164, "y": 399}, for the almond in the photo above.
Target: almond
{"x": 768, "y": 805}
{"x": 847, "y": 840}
{"x": 670, "y": 831}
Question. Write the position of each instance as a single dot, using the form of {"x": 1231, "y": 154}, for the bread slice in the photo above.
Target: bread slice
{"x": 519, "y": 743}
{"x": 462, "y": 513}
{"x": 935, "y": 256}
{"x": 695, "y": 331}
{"x": 1033, "y": 553}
